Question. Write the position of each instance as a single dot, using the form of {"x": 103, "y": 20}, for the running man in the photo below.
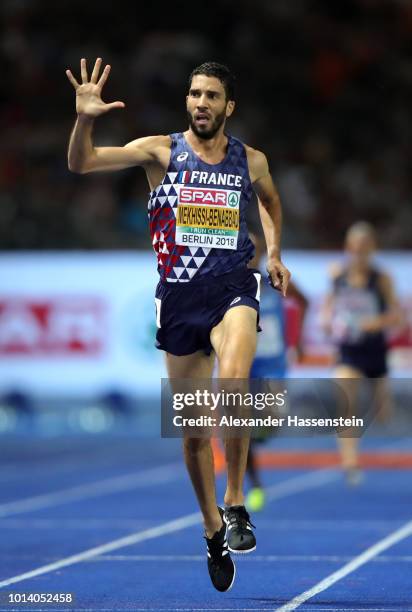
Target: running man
{"x": 207, "y": 300}
{"x": 359, "y": 309}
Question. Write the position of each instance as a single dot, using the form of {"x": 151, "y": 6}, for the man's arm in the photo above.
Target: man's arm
{"x": 393, "y": 316}
{"x": 83, "y": 156}
{"x": 328, "y": 304}
{"x": 271, "y": 216}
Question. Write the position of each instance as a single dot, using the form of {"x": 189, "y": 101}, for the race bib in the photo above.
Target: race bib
{"x": 207, "y": 217}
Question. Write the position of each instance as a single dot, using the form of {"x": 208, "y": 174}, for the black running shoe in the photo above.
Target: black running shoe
{"x": 221, "y": 568}
{"x": 240, "y": 536}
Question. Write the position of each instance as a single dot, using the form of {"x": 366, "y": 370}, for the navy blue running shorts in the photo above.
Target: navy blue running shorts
{"x": 372, "y": 363}
{"x": 187, "y": 312}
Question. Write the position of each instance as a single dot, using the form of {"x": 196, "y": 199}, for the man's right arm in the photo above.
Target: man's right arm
{"x": 83, "y": 156}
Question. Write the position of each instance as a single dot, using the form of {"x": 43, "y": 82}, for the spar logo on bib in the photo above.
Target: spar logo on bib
{"x": 209, "y": 197}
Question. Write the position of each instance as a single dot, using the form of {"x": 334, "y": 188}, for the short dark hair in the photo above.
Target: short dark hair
{"x": 221, "y": 72}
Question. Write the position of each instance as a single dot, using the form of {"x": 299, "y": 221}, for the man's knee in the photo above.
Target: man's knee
{"x": 238, "y": 368}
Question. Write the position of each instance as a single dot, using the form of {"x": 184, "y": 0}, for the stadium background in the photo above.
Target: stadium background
{"x": 325, "y": 90}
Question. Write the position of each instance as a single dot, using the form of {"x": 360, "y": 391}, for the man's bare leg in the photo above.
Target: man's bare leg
{"x": 382, "y": 399}
{"x": 234, "y": 340}
{"x": 349, "y": 446}
{"x": 198, "y": 451}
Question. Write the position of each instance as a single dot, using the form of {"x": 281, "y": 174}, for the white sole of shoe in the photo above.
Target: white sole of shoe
{"x": 241, "y": 552}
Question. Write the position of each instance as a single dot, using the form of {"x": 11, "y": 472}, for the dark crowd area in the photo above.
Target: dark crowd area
{"x": 324, "y": 89}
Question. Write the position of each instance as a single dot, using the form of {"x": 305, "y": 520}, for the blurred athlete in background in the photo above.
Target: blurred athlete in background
{"x": 207, "y": 300}
{"x": 271, "y": 359}
{"x": 360, "y": 307}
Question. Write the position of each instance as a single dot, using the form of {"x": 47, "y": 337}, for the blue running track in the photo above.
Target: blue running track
{"x": 114, "y": 521}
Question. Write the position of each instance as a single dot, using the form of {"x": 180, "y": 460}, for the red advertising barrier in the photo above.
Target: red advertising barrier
{"x": 70, "y": 325}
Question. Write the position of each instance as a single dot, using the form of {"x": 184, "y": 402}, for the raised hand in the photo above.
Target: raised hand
{"x": 88, "y": 94}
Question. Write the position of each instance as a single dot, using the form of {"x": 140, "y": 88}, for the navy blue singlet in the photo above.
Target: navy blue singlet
{"x": 197, "y": 214}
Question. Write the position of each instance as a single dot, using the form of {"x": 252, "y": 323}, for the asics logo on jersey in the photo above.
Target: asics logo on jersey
{"x": 182, "y": 156}
{"x": 235, "y": 301}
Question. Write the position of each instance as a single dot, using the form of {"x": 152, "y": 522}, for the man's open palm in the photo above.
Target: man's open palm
{"x": 88, "y": 94}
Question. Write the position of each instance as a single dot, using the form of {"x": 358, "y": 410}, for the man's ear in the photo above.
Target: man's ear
{"x": 230, "y": 107}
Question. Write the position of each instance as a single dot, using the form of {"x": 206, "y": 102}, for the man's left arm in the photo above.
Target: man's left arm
{"x": 392, "y": 316}
{"x": 271, "y": 216}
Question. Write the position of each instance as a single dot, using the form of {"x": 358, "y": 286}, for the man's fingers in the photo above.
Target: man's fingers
{"x": 96, "y": 70}
{"x": 83, "y": 70}
{"x": 279, "y": 277}
{"x": 284, "y": 286}
{"x": 72, "y": 79}
{"x": 276, "y": 277}
{"x": 104, "y": 76}
{"x": 285, "y": 277}
{"x": 117, "y": 104}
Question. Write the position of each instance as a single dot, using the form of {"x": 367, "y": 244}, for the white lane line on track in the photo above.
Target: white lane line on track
{"x": 255, "y": 558}
{"x": 134, "y": 524}
{"x": 278, "y": 491}
{"x": 88, "y": 490}
{"x": 331, "y": 524}
{"x": 58, "y": 469}
{"x": 54, "y": 465}
{"x": 351, "y": 609}
{"x": 125, "y": 482}
{"x": 83, "y": 524}
{"x": 367, "y": 555}
{"x": 241, "y": 559}
{"x": 134, "y": 538}
{"x": 302, "y": 483}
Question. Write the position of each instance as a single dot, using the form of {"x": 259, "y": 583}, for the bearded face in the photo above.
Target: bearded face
{"x": 204, "y": 125}
{"x": 207, "y": 106}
